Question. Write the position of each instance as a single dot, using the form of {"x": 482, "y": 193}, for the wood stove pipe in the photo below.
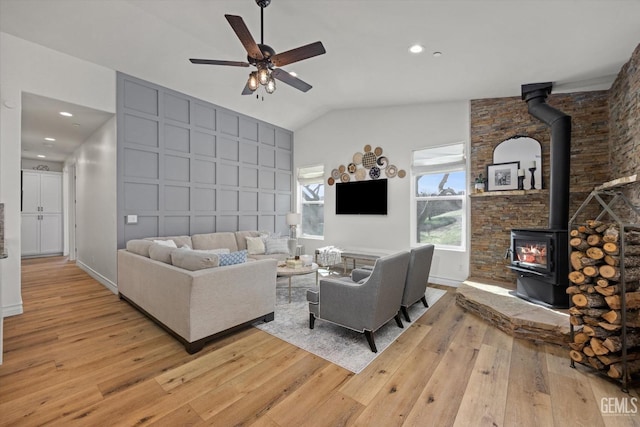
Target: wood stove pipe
{"x": 535, "y": 95}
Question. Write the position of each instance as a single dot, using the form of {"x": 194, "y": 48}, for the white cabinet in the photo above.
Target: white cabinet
{"x": 41, "y": 232}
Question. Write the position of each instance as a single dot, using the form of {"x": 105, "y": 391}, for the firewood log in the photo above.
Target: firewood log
{"x": 586, "y": 311}
{"x": 590, "y": 270}
{"x": 608, "y": 359}
{"x": 590, "y": 320}
{"x": 588, "y": 300}
{"x": 582, "y": 228}
{"x": 597, "y": 347}
{"x": 609, "y": 327}
{"x": 578, "y": 278}
{"x": 573, "y": 290}
{"x": 588, "y": 351}
{"x": 596, "y": 331}
{"x": 632, "y": 237}
{"x": 595, "y": 240}
{"x": 608, "y": 291}
{"x": 579, "y": 244}
{"x": 611, "y": 234}
{"x": 580, "y": 338}
{"x": 575, "y": 320}
{"x": 589, "y": 289}
{"x": 577, "y": 356}
{"x": 575, "y": 258}
{"x": 609, "y": 272}
{"x": 615, "y": 318}
{"x": 614, "y": 342}
{"x": 602, "y": 282}
{"x": 632, "y": 300}
{"x": 595, "y": 363}
{"x": 629, "y": 261}
{"x": 595, "y": 253}
{"x": 616, "y": 370}
{"x": 577, "y": 346}
{"x": 577, "y": 233}
{"x": 611, "y": 248}
{"x": 588, "y": 261}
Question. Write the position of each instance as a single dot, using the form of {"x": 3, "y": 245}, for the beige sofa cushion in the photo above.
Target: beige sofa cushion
{"x": 139, "y": 246}
{"x": 179, "y": 240}
{"x": 215, "y": 241}
{"x": 161, "y": 253}
{"x": 255, "y": 245}
{"x": 241, "y": 238}
{"x": 193, "y": 260}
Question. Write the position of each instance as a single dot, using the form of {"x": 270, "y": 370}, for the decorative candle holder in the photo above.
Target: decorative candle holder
{"x": 533, "y": 178}
{"x": 521, "y": 183}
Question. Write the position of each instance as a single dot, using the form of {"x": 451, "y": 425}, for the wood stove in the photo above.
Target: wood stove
{"x": 540, "y": 258}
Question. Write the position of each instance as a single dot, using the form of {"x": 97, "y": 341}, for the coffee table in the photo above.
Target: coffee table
{"x": 284, "y": 271}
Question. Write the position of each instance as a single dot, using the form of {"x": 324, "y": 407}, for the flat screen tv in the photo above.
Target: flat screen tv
{"x": 362, "y": 197}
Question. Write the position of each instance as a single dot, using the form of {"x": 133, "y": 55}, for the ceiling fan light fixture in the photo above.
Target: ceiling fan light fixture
{"x": 253, "y": 82}
{"x": 271, "y": 85}
{"x": 263, "y": 75}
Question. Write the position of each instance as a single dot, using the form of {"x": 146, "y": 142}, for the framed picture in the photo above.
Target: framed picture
{"x": 502, "y": 176}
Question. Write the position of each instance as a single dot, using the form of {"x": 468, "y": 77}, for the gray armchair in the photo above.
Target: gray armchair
{"x": 416, "y": 281}
{"x": 362, "y": 307}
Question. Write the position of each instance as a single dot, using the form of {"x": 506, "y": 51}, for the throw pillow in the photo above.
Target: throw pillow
{"x": 277, "y": 246}
{"x": 232, "y": 258}
{"x": 255, "y": 245}
{"x": 161, "y": 253}
{"x": 193, "y": 260}
{"x": 169, "y": 243}
{"x": 139, "y": 246}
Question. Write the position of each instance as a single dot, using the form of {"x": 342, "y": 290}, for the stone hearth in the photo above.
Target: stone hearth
{"x": 497, "y": 304}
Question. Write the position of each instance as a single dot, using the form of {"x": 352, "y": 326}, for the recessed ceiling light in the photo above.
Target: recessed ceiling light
{"x": 64, "y": 113}
{"x": 49, "y": 139}
{"x": 437, "y": 54}
{"x": 42, "y": 156}
{"x": 416, "y": 48}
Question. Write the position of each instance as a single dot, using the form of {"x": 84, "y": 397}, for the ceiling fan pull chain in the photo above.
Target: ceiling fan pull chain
{"x": 262, "y": 25}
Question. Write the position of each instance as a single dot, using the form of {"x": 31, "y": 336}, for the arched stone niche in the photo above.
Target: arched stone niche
{"x": 526, "y": 150}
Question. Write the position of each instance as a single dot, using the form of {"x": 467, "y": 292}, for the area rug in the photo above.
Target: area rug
{"x": 336, "y": 344}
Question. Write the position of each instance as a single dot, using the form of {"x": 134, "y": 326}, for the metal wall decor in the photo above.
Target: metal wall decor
{"x": 368, "y": 163}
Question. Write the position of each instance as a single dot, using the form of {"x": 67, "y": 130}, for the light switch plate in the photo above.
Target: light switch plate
{"x": 131, "y": 219}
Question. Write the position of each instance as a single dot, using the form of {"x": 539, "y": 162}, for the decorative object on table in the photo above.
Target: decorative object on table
{"x": 294, "y": 263}
{"x": 293, "y": 220}
{"x": 502, "y": 176}
{"x": 520, "y": 179}
{"x": 532, "y": 169}
{"x": 479, "y": 184}
{"x": 364, "y": 165}
{"x": 306, "y": 259}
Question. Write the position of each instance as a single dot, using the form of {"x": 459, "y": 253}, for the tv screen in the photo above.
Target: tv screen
{"x": 362, "y": 197}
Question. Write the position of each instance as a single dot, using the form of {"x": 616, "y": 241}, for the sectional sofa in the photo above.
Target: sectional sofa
{"x": 203, "y": 286}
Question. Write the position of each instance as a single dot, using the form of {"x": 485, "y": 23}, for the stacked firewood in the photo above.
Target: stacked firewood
{"x": 596, "y": 311}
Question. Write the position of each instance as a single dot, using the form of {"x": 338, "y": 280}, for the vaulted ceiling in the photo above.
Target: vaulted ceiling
{"x": 489, "y": 48}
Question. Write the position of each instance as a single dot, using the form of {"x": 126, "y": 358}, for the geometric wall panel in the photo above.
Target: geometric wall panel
{"x": 249, "y": 222}
{"x": 142, "y": 197}
{"x": 176, "y": 168}
{"x": 204, "y": 172}
{"x": 176, "y": 108}
{"x": 203, "y": 144}
{"x": 176, "y": 225}
{"x": 203, "y": 199}
{"x": 141, "y": 164}
{"x": 204, "y": 116}
{"x": 176, "y": 138}
{"x": 138, "y": 130}
{"x": 189, "y": 166}
{"x": 176, "y": 198}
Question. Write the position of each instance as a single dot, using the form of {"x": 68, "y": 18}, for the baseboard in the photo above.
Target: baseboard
{"x": 12, "y": 310}
{"x": 443, "y": 281}
{"x": 99, "y": 277}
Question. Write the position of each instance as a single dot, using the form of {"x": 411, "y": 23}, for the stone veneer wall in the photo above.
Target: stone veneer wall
{"x": 624, "y": 123}
{"x": 493, "y": 217}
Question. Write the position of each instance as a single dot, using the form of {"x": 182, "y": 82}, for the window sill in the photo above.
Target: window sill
{"x": 508, "y": 193}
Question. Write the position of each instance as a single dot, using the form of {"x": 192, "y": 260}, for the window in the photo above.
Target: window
{"x": 311, "y": 200}
{"x": 439, "y": 200}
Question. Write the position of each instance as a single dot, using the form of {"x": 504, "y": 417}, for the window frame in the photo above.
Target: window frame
{"x": 301, "y": 182}
{"x": 433, "y": 169}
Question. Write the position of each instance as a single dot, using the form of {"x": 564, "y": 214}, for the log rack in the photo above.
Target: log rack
{"x": 604, "y": 273}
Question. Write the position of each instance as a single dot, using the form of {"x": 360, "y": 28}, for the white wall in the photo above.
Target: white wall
{"x": 27, "y": 67}
{"x": 96, "y": 232}
{"x": 334, "y": 138}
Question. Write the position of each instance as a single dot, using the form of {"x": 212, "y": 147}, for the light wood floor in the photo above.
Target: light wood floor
{"x": 80, "y": 356}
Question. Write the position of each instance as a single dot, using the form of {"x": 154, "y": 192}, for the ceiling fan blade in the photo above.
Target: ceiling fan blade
{"x": 298, "y": 54}
{"x": 241, "y": 30}
{"x": 216, "y": 62}
{"x": 287, "y": 78}
{"x": 246, "y": 90}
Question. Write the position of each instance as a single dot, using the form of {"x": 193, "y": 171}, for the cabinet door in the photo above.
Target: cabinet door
{"x": 30, "y": 234}
{"x": 51, "y": 193}
{"x": 50, "y": 233}
{"x": 30, "y": 191}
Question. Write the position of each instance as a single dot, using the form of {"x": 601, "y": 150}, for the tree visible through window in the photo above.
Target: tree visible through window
{"x": 311, "y": 200}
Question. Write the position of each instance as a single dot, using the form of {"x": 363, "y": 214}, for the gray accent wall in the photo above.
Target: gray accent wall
{"x": 186, "y": 166}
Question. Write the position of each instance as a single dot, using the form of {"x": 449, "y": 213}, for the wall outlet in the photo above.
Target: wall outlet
{"x": 131, "y": 219}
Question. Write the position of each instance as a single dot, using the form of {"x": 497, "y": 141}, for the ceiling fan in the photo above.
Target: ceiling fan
{"x": 264, "y": 58}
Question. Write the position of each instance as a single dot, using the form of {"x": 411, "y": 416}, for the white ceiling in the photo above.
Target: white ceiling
{"x": 490, "y": 48}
